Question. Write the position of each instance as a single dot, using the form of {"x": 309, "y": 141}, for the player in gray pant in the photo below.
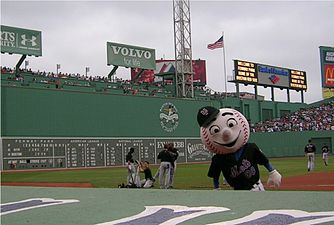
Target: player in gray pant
{"x": 164, "y": 170}
{"x": 310, "y": 153}
{"x": 174, "y": 155}
{"x": 325, "y": 151}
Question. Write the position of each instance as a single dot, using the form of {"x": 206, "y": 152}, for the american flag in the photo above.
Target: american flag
{"x": 217, "y": 44}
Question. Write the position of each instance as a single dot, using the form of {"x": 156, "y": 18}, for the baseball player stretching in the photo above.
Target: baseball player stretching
{"x": 310, "y": 153}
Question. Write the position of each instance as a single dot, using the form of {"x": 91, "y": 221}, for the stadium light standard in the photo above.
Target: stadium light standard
{"x": 26, "y": 63}
{"x": 58, "y": 67}
{"x": 87, "y": 70}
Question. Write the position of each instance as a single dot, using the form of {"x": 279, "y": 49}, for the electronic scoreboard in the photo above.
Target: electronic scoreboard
{"x": 267, "y": 75}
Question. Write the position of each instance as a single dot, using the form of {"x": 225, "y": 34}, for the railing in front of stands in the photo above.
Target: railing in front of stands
{"x": 76, "y": 82}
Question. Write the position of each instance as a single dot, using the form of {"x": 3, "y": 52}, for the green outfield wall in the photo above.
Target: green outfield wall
{"x": 256, "y": 111}
{"x": 47, "y": 127}
{"x": 21, "y": 153}
{"x": 278, "y": 144}
{"x": 28, "y": 111}
{"x": 31, "y": 112}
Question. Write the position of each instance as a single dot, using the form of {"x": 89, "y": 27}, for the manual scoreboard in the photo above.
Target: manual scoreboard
{"x": 55, "y": 153}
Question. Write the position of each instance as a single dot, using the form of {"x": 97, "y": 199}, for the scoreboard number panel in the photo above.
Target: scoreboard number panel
{"x": 245, "y": 72}
{"x": 298, "y": 80}
{"x": 50, "y": 153}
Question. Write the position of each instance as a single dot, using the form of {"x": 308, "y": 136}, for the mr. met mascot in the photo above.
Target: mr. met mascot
{"x": 225, "y": 132}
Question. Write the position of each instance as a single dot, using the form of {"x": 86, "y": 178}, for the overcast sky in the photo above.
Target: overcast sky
{"x": 279, "y": 33}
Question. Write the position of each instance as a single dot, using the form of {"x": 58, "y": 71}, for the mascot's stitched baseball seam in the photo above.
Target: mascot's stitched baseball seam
{"x": 225, "y": 132}
{"x": 207, "y": 141}
{"x": 244, "y": 125}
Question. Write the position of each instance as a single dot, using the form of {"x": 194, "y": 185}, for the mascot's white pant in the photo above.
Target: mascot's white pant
{"x": 258, "y": 186}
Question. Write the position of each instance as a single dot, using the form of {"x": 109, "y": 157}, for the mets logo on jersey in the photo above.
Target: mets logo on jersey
{"x": 169, "y": 117}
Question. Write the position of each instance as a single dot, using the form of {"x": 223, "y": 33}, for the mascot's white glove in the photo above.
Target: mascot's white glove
{"x": 274, "y": 179}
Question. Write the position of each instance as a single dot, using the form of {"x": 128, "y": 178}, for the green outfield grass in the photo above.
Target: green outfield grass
{"x": 187, "y": 176}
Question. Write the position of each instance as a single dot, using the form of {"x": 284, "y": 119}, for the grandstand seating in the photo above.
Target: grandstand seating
{"x": 90, "y": 84}
{"x": 314, "y": 117}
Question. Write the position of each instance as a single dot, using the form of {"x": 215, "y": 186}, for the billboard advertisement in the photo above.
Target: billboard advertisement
{"x": 327, "y": 92}
{"x": 266, "y": 75}
{"x": 130, "y": 56}
{"x": 167, "y": 67}
{"x": 273, "y": 76}
{"x": 327, "y": 66}
{"x": 21, "y": 41}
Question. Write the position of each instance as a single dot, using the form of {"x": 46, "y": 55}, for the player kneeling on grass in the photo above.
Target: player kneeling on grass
{"x": 226, "y": 132}
{"x": 145, "y": 168}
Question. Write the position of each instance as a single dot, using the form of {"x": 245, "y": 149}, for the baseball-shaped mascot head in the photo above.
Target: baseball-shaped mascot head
{"x": 223, "y": 130}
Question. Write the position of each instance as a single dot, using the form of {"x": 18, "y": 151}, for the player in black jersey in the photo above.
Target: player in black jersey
{"x": 225, "y": 132}
{"x": 132, "y": 173}
{"x": 145, "y": 168}
{"x": 310, "y": 150}
{"x": 325, "y": 152}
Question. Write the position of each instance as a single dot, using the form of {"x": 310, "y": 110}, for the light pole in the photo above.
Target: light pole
{"x": 58, "y": 67}
{"x": 26, "y": 63}
{"x": 87, "y": 70}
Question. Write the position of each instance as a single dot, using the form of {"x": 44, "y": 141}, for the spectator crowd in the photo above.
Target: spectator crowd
{"x": 128, "y": 86}
{"x": 314, "y": 118}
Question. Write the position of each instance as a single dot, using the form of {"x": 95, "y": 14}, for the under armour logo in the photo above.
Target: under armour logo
{"x": 25, "y": 40}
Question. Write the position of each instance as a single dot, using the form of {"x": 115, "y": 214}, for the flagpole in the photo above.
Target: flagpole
{"x": 225, "y": 75}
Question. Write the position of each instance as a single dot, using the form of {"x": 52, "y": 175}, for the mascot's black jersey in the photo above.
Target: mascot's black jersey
{"x": 241, "y": 173}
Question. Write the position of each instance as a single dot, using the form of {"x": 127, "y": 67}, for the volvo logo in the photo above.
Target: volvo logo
{"x": 131, "y": 52}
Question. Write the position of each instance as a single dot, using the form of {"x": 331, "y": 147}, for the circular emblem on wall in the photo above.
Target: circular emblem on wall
{"x": 169, "y": 117}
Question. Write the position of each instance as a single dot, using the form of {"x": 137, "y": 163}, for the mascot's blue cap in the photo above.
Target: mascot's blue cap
{"x": 206, "y": 115}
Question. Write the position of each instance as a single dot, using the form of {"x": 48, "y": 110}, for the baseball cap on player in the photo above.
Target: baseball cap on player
{"x": 206, "y": 115}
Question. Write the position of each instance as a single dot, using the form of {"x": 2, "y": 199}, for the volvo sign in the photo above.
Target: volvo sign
{"x": 130, "y": 56}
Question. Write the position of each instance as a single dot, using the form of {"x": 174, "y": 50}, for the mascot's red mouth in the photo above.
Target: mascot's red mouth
{"x": 231, "y": 144}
